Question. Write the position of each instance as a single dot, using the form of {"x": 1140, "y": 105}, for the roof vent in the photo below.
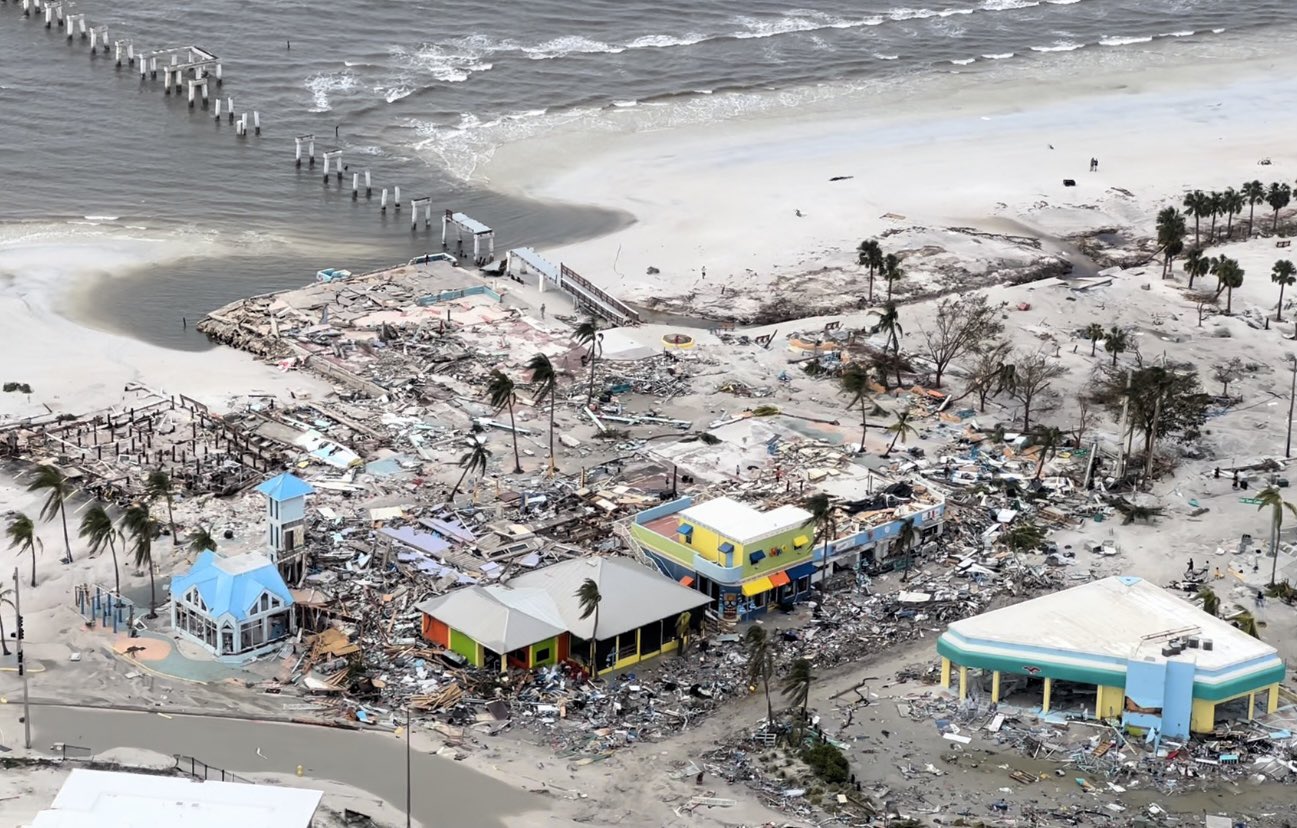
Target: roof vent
{"x": 1206, "y": 644}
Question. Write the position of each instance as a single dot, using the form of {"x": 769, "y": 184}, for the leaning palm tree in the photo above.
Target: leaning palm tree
{"x": 892, "y": 272}
{"x": 1114, "y": 342}
{"x": 22, "y": 536}
{"x": 588, "y": 600}
{"x": 1210, "y": 600}
{"x": 98, "y": 531}
{"x": 1254, "y": 192}
{"x": 1283, "y": 275}
{"x": 905, "y": 540}
{"x": 823, "y": 518}
{"x": 503, "y": 394}
{"x": 6, "y": 600}
{"x": 1271, "y": 497}
{"x": 890, "y": 323}
{"x": 201, "y": 540}
{"x": 1048, "y": 438}
{"x": 1093, "y": 332}
{"x": 869, "y": 254}
{"x": 472, "y": 461}
{"x": 900, "y": 430}
{"x": 856, "y": 382}
{"x": 761, "y": 663}
{"x": 1278, "y": 197}
{"x": 143, "y": 529}
{"x": 158, "y": 487}
{"x": 58, "y": 490}
{"x": 588, "y": 335}
{"x": 797, "y": 690}
{"x": 545, "y": 378}
{"x": 1196, "y": 264}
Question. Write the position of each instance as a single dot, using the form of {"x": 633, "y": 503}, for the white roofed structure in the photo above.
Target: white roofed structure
{"x": 742, "y": 523}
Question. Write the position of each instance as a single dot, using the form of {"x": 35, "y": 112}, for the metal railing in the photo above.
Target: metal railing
{"x": 201, "y": 770}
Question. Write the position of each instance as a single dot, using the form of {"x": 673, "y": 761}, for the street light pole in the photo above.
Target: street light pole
{"x": 22, "y": 667}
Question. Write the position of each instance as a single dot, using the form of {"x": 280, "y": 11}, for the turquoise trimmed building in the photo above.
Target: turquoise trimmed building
{"x": 1149, "y": 657}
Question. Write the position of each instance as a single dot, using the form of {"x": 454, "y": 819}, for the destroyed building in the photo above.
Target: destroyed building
{"x": 1123, "y": 648}
{"x": 536, "y": 619}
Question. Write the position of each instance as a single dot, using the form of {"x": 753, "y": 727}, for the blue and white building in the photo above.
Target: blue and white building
{"x": 285, "y": 513}
{"x": 235, "y": 608}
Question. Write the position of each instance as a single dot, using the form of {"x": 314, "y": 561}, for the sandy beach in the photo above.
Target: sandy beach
{"x": 717, "y": 205}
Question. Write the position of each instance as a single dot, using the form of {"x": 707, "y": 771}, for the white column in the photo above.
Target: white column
{"x": 382, "y": 204}
{"x": 256, "y": 122}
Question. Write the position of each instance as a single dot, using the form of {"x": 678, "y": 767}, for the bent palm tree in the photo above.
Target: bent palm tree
{"x": 98, "y": 530}
{"x": 143, "y": 529}
{"x": 1196, "y": 265}
{"x": 158, "y": 487}
{"x": 797, "y": 690}
{"x": 472, "y": 461}
{"x": 1254, "y": 192}
{"x": 545, "y": 378}
{"x": 588, "y": 600}
{"x": 1282, "y": 274}
{"x": 1210, "y": 600}
{"x": 22, "y": 536}
{"x": 900, "y": 430}
{"x": 1271, "y": 498}
{"x": 855, "y": 381}
{"x": 587, "y": 334}
{"x": 6, "y": 600}
{"x": 1093, "y": 332}
{"x": 201, "y": 540}
{"x": 58, "y": 489}
{"x": 503, "y": 394}
{"x": 761, "y": 663}
{"x": 823, "y": 516}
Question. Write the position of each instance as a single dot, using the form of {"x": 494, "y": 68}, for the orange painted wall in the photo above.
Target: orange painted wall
{"x": 435, "y": 631}
{"x": 563, "y": 646}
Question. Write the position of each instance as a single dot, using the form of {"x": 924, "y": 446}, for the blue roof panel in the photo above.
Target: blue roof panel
{"x": 232, "y": 585}
{"x": 285, "y": 487}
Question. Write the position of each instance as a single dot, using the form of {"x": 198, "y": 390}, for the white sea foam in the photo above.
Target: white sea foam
{"x": 570, "y": 45}
{"x": 625, "y": 104}
{"x": 1059, "y": 46}
{"x": 322, "y": 86}
{"x": 888, "y": 57}
{"x": 452, "y": 62}
{"x": 910, "y": 14}
{"x": 1185, "y": 33}
{"x": 807, "y": 21}
{"x": 1008, "y": 5}
{"x": 964, "y": 61}
{"x": 1124, "y": 41}
{"x": 1000, "y": 56}
{"x": 666, "y": 41}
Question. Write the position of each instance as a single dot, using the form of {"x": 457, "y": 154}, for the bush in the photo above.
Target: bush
{"x": 828, "y": 763}
{"x": 17, "y": 386}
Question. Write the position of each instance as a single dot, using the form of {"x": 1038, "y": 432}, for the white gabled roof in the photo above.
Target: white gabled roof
{"x": 741, "y": 523}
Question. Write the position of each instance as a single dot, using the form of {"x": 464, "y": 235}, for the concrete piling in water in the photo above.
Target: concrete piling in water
{"x": 203, "y": 89}
{"x": 355, "y": 186}
{"x": 130, "y": 53}
{"x": 256, "y": 122}
{"x": 382, "y": 203}
{"x": 193, "y": 86}
{"x": 397, "y": 199}
{"x": 217, "y": 114}
{"x": 229, "y": 107}
{"x": 369, "y": 189}
{"x": 166, "y": 81}
{"x": 219, "y": 80}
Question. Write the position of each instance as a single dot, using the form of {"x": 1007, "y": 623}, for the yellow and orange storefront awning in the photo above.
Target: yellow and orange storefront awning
{"x": 757, "y": 586}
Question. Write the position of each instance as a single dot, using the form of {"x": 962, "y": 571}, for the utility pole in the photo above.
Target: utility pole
{"x": 1122, "y": 449}
{"x": 22, "y": 667}
{"x": 1292, "y": 395}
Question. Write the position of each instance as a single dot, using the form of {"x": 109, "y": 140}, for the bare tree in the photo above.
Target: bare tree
{"x": 1226, "y": 373}
{"x": 987, "y": 373}
{"x": 963, "y": 325}
{"x": 1034, "y": 375}
{"x": 1086, "y": 416}
{"x": 1204, "y": 300}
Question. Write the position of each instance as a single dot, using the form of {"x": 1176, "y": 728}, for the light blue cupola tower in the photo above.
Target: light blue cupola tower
{"x": 285, "y": 513}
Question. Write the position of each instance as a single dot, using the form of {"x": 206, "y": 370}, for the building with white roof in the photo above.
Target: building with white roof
{"x": 103, "y": 799}
{"x": 1148, "y": 657}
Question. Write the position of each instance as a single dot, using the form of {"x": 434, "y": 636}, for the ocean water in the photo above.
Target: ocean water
{"x": 420, "y": 93}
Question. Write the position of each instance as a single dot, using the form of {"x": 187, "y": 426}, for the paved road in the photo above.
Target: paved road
{"x": 444, "y": 792}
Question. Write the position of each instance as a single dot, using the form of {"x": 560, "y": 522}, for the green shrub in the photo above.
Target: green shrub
{"x": 827, "y": 762}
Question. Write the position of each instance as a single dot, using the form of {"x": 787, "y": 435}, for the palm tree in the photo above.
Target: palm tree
{"x": 892, "y": 272}
{"x": 1233, "y": 202}
{"x": 158, "y": 486}
{"x": 1215, "y": 207}
{"x": 201, "y": 540}
{"x": 6, "y": 599}
{"x": 1196, "y": 264}
{"x": 1231, "y": 276}
{"x": 1271, "y": 497}
{"x": 98, "y": 530}
{"x": 1048, "y": 438}
{"x": 1170, "y": 236}
{"x": 1093, "y": 332}
{"x": 588, "y": 599}
{"x": 890, "y": 323}
{"x": 1210, "y": 600}
{"x": 22, "y": 536}
{"x": 855, "y": 381}
{"x": 1196, "y": 204}
{"x": 1278, "y": 197}
{"x": 1115, "y": 342}
{"x": 761, "y": 663}
{"x": 1023, "y": 536}
{"x": 870, "y": 254}
{"x": 900, "y": 430}
{"x": 587, "y": 334}
{"x": 823, "y": 518}
{"x": 472, "y": 461}
{"x": 904, "y": 543}
{"x": 139, "y": 523}
{"x": 1282, "y": 274}
{"x": 1254, "y": 192}
{"x": 58, "y": 489}
{"x": 545, "y": 378}
{"x": 797, "y": 689}
{"x": 503, "y": 394}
